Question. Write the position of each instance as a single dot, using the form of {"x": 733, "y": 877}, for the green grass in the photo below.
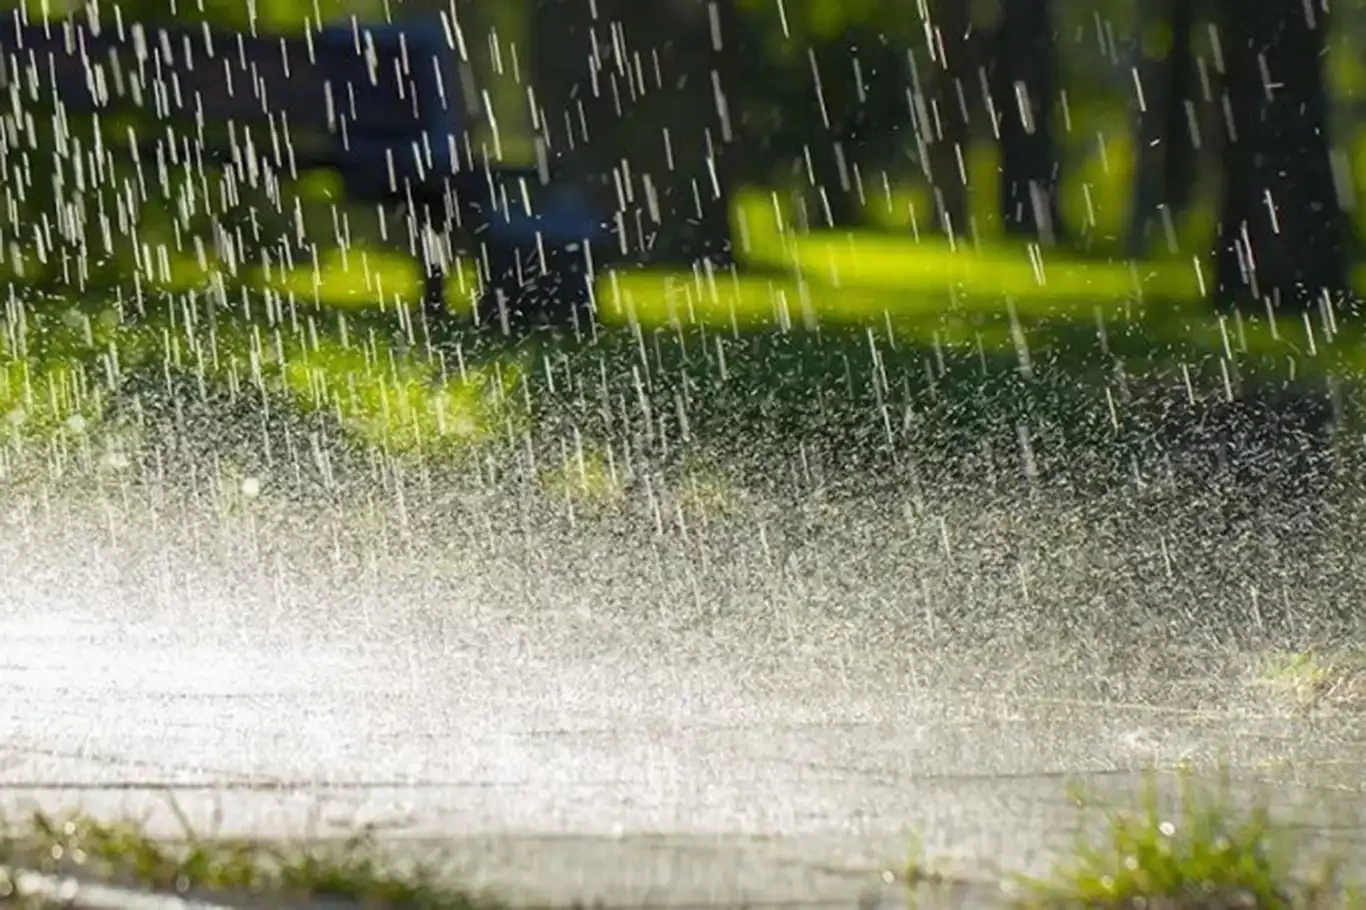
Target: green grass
{"x": 1200, "y": 852}
{"x": 124, "y": 853}
{"x": 856, "y": 339}
{"x": 1312, "y": 679}
{"x": 1197, "y": 851}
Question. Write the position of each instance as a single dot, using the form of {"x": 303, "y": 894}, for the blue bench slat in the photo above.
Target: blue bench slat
{"x": 555, "y": 223}
{"x": 219, "y": 72}
{"x": 398, "y": 88}
{"x": 388, "y": 97}
{"x": 377, "y": 158}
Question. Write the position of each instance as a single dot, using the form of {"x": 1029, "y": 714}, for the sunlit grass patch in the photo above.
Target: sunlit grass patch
{"x": 61, "y": 370}
{"x": 354, "y": 870}
{"x": 341, "y": 277}
{"x": 36, "y": 402}
{"x": 56, "y": 379}
{"x": 866, "y": 259}
{"x": 1200, "y": 852}
{"x": 359, "y": 277}
{"x": 707, "y": 494}
{"x": 658, "y": 299}
{"x": 388, "y": 397}
{"x": 871, "y": 260}
{"x": 932, "y": 290}
{"x": 366, "y": 278}
{"x": 1311, "y": 679}
{"x": 585, "y": 477}
{"x": 740, "y": 303}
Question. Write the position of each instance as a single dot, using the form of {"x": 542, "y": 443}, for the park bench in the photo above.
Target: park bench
{"x": 381, "y": 104}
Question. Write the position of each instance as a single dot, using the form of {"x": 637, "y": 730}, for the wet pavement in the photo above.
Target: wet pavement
{"x": 630, "y": 788}
{"x": 529, "y": 728}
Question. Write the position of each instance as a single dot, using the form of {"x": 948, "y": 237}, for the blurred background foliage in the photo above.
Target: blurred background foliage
{"x": 824, "y": 157}
{"x": 821, "y": 94}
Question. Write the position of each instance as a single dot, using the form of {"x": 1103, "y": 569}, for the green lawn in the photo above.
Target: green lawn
{"x": 824, "y": 314}
{"x": 1182, "y": 844}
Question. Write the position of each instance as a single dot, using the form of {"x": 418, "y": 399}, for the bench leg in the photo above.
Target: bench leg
{"x": 434, "y": 295}
{"x": 434, "y": 303}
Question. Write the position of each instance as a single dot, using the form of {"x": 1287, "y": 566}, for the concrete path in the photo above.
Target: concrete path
{"x": 557, "y": 729}
{"x": 553, "y": 784}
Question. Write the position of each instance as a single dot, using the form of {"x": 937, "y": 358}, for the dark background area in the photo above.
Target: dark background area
{"x": 1003, "y": 140}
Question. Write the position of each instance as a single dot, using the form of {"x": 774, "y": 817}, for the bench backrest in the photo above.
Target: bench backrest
{"x": 386, "y": 97}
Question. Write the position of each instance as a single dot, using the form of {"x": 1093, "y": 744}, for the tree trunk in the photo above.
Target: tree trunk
{"x": 1166, "y": 148}
{"x": 725, "y": 62}
{"x": 1024, "y": 92}
{"x": 943, "y": 121}
{"x": 637, "y": 100}
{"x": 575, "y": 104}
{"x": 1182, "y": 145}
{"x": 1281, "y": 230}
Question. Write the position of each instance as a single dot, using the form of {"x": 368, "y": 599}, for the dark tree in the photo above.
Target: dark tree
{"x": 1281, "y": 229}
{"x": 944, "y": 95}
{"x": 726, "y": 71}
{"x": 638, "y": 100}
{"x": 1167, "y": 142}
{"x": 846, "y": 119}
{"x": 827, "y": 128}
{"x": 1024, "y": 90}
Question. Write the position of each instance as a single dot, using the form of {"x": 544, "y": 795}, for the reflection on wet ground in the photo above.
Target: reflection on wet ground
{"x": 677, "y": 784}
{"x": 750, "y": 710}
